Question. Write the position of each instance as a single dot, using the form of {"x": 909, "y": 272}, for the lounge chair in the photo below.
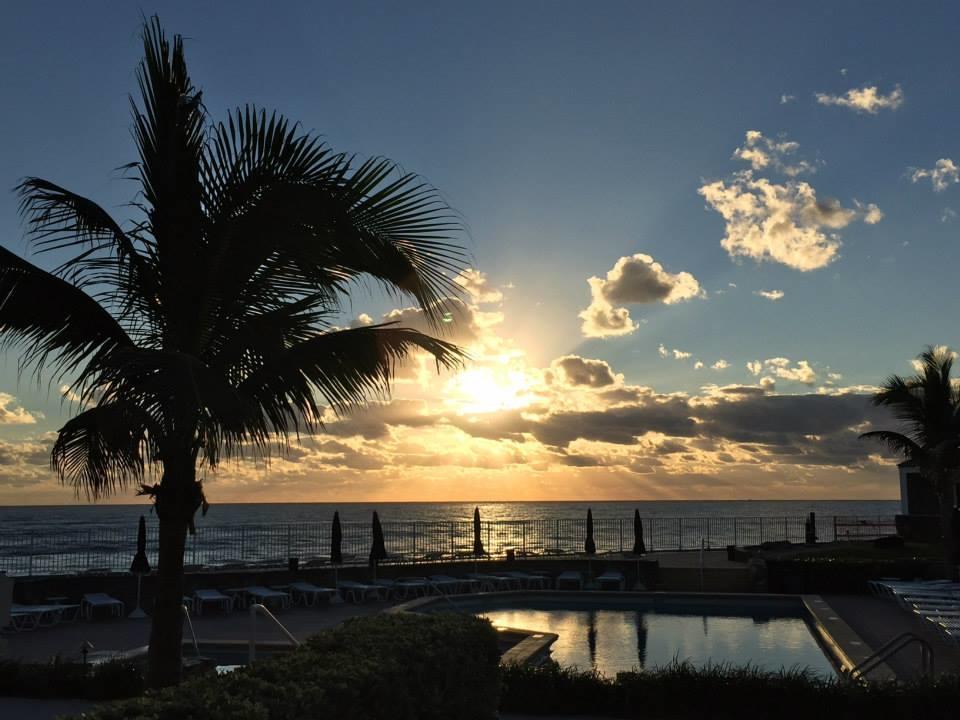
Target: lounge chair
{"x": 264, "y": 595}
{"x": 403, "y": 588}
{"x": 358, "y": 592}
{"x": 416, "y": 585}
{"x": 461, "y": 584}
{"x": 611, "y": 580}
{"x": 93, "y": 601}
{"x": 494, "y": 582}
{"x": 211, "y": 597}
{"x": 538, "y": 582}
{"x": 445, "y": 584}
{"x": 568, "y": 578}
{"x": 308, "y": 594}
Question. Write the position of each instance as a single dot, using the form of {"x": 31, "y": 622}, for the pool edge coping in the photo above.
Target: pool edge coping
{"x": 846, "y": 648}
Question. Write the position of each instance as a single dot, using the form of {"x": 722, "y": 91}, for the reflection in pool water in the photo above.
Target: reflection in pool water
{"x": 615, "y": 640}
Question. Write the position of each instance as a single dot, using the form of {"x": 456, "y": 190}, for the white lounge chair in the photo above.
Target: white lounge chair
{"x": 211, "y": 597}
{"x": 93, "y": 601}
{"x": 489, "y": 581}
{"x": 611, "y": 578}
{"x": 358, "y": 592}
{"x": 462, "y": 584}
{"x": 568, "y": 578}
{"x": 265, "y": 595}
{"x": 445, "y": 584}
{"x": 308, "y": 594}
{"x": 538, "y": 582}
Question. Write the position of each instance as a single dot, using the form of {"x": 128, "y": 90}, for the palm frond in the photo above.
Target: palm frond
{"x": 101, "y": 450}
{"x": 104, "y": 255}
{"x": 346, "y": 368}
{"x": 896, "y": 443}
{"x": 53, "y": 321}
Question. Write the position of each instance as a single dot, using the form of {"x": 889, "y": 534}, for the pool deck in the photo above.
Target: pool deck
{"x": 65, "y": 639}
{"x": 859, "y": 624}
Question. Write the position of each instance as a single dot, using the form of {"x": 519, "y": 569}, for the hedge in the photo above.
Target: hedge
{"x": 384, "y": 667}
{"x": 58, "y": 679}
{"x": 680, "y": 691}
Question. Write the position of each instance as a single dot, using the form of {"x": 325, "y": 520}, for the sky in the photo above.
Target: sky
{"x": 700, "y": 233}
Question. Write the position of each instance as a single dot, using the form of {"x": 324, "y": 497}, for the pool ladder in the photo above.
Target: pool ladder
{"x": 256, "y": 608}
{"x": 892, "y": 647}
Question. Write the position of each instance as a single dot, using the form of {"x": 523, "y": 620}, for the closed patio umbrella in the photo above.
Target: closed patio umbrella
{"x": 378, "y": 551}
{"x": 336, "y": 541}
{"x": 477, "y": 541}
{"x": 638, "y": 547}
{"x": 589, "y": 546}
{"x": 140, "y": 565}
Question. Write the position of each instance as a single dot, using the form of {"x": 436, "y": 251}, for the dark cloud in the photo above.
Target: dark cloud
{"x": 583, "y": 371}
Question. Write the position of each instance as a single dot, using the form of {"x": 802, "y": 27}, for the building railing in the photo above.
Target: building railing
{"x": 268, "y": 545}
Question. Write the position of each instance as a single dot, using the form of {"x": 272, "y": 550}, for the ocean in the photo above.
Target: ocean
{"x": 48, "y": 519}
{"x": 80, "y": 538}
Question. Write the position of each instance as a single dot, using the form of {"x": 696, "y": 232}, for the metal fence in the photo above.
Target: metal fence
{"x": 111, "y": 549}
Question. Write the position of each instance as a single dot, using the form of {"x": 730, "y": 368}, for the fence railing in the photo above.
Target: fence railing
{"x": 111, "y": 549}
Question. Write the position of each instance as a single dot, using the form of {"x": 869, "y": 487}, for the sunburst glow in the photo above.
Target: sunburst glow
{"x": 486, "y": 390}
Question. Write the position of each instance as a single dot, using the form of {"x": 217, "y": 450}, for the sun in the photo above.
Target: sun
{"x": 486, "y": 390}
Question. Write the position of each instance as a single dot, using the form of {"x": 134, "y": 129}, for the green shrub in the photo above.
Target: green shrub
{"x": 389, "y": 667}
{"x": 58, "y": 679}
{"x": 680, "y": 691}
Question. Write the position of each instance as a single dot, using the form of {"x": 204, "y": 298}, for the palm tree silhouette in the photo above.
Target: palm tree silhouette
{"x": 928, "y": 407}
{"x": 205, "y": 330}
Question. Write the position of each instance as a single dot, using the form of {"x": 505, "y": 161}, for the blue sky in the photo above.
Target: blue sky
{"x": 569, "y": 136}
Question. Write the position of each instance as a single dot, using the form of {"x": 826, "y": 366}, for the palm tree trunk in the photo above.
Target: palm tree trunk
{"x": 176, "y": 501}
{"x": 166, "y": 632}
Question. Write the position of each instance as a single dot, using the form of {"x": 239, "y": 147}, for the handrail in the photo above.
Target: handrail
{"x": 891, "y": 647}
{"x": 701, "y": 562}
{"x": 193, "y": 634}
{"x": 262, "y": 609}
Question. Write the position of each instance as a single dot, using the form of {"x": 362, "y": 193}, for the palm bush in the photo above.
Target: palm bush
{"x": 927, "y": 405}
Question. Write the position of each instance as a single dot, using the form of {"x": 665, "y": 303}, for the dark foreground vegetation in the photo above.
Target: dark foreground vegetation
{"x": 682, "y": 691}
{"x": 58, "y": 679}
{"x": 385, "y": 667}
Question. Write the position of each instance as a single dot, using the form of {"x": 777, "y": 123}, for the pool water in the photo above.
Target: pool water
{"x": 617, "y": 639}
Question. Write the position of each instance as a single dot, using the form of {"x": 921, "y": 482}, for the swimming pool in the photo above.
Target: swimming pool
{"x": 614, "y": 634}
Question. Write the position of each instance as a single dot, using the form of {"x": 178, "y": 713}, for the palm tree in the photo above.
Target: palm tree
{"x": 928, "y": 408}
{"x": 205, "y": 330}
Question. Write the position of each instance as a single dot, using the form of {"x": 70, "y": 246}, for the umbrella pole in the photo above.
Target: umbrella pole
{"x": 336, "y": 599}
{"x": 138, "y": 613}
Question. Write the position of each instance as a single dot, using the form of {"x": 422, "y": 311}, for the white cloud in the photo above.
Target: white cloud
{"x": 844, "y": 71}
{"x": 638, "y": 280}
{"x": 781, "y": 367}
{"x": 720, "y": 365}
{"x": 944, "y": 173}
{"x": 478, "y": 287}
{"x": 948, "y": 215}
{"x": 864, "y": 100}
{"x": 675, "y": 353}
{"x": 11, "y": 413}
{"x": 765, "y": 153}
{"x": 698, "y": 365}
{"x": 785, "y": 223}
{"x": 784, "y": 99}
{"x": 772, "y": 295}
